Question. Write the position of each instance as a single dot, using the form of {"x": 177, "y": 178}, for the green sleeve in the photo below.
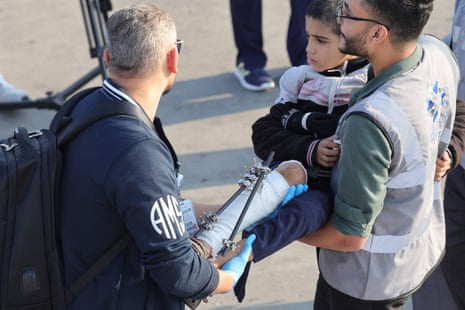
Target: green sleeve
{"x": 363, "y": 174}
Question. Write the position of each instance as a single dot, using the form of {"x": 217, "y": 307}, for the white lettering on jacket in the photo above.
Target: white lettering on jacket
{"x": 166, "y": 218}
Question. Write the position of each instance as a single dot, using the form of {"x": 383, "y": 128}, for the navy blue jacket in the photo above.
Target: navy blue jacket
{"x": 118, "y": 176}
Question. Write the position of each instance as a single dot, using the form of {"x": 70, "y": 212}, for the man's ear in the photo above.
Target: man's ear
{"x": 106, "y": 56}
{"x": 380, "y": 33}
{"x": 172, "y": 60}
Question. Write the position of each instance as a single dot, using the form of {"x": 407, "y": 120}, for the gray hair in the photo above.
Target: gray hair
{"x": 139, "y": 37}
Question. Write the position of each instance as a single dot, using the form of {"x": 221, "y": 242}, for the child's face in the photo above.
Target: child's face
{"x": 322, "y": 47}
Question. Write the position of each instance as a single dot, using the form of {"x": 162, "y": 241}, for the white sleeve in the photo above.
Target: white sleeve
{"x": 290, "y": 84}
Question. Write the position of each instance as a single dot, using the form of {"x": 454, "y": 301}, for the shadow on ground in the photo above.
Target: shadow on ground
{"x": 288, "y": 306}
{"x": 212, "y": 96}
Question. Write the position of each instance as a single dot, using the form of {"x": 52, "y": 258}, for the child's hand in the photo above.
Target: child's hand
{"x": 328, "y": 152}
{"x": 443, "y": 165}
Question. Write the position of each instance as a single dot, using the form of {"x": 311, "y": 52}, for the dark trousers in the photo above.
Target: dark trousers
{"x": 327, "y": 298}
{"x": 246, "y": 18}
{"x": 445, "y": 288}
{"x": 453, "y": 265}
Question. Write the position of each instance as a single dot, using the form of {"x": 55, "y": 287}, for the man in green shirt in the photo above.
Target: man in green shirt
{"x": 387, "y": 230}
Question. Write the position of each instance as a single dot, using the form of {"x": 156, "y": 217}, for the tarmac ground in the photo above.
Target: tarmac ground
{"x": 207, "y": 115}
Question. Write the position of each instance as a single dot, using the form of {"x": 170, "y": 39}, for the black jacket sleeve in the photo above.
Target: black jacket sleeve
{"x": 268, "y": 134}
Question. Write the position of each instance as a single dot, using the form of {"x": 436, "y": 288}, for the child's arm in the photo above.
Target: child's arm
{"x": 268, "y": 134}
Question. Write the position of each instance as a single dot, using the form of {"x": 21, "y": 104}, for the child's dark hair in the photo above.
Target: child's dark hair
{"x": 325, "y": 12}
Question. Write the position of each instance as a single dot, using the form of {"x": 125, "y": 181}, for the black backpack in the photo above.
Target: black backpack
{"x": 31, "y": 274}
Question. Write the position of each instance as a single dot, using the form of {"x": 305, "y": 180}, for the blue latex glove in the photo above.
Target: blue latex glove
{"x": 236, "y": 265}
{"x": 292, "y": 192}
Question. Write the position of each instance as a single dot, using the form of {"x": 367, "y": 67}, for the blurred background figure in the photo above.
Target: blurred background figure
{"x": 251, "y": 59}
{"x": 9, "y": 93}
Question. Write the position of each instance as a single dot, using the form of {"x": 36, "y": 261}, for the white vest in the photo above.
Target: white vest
{"x": 416, "y": 111}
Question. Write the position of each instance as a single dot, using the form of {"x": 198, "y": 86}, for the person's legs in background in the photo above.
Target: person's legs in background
{"x": 251, "y": 60}
{"x": 296, "y": 34}
{"x": 9, "y": 93}
{"x": 247, "y": 28}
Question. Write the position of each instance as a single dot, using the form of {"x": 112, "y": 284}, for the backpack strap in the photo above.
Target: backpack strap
{"x": 65, "y": 110}
{"x": 65, "y": 128}
{"x": 96, "y": 268}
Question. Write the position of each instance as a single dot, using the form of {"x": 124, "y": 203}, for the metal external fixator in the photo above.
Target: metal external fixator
{"x": 247, "y": 182}
{"x": 262, "y": 172}
{"x": 207, "y": 220}
{"x": 228, "y": 244}
{"x": 249, "y": 179}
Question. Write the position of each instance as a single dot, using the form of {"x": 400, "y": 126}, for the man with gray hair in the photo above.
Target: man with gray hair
{"x": 119, "y": 177}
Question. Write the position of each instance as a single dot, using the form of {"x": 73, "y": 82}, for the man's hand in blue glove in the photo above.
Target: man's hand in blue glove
{"x": 294, "y": 191}
{"x": 236, "y": 265}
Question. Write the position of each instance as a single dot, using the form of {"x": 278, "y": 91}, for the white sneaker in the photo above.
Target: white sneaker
{"x": 253, "y": 80}
{"x": 9, "y": 93}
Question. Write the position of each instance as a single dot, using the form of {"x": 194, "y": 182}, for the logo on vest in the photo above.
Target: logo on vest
{"x": 166, "y": 218}
{"x": 437, "y": 102}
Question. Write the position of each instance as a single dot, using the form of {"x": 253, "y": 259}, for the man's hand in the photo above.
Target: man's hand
{"x": 327, "y": 152}
{"x": 293, "y": 191}
{"x": 236, "y": 265}
{"x": 443, "y": 164}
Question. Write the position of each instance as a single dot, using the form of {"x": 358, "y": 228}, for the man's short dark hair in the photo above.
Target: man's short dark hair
{"x": 406, "y": 18}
